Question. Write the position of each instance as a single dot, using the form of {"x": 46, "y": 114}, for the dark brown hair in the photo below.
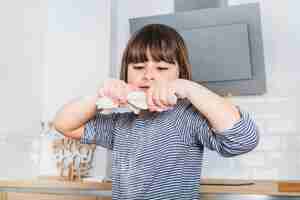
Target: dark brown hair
{"x": 164, "y": 44}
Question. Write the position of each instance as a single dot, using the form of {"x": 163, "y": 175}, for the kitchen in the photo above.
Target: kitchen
{"x": 39, "y": 47}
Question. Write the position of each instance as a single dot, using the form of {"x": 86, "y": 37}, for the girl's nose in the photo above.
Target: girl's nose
{"x": 149, "y": 74}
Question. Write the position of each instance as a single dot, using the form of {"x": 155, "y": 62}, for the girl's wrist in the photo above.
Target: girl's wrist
{"x": 182, "y": 88}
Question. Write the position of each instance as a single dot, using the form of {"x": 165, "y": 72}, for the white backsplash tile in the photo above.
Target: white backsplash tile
{"x": 252, "y": 159}
{"x": 269, "y": 143}
{"x": 266, "y": 173}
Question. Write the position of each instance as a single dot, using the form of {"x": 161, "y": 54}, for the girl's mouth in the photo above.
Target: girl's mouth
{"x": 144, "y": 88}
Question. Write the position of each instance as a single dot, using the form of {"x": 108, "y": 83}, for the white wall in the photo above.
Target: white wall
{"x": 77, "y": 51}
{"x": 77, "y": 55}
{"x": 22, "y": 25}
{"x": 276, "y": 112}
{"x": 21, "y": 52}
{"x": 51, "y": 52}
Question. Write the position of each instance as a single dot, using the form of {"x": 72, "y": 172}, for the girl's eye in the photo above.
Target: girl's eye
{"x": 138, "y": 67}
{"x": 162, "y": 68}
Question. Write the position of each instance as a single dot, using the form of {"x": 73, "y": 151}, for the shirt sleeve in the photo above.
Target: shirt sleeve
{"x": 241, "y": 138}
{"x": 100, "y": 130}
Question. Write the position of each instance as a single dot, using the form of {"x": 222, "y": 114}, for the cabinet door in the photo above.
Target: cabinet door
{"x": 104, "y": 198}
{"x": 31, "y": 196}
{"x": 3, "y": 196}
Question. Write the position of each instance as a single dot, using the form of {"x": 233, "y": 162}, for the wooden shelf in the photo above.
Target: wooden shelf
{"x": 289, "y": 186}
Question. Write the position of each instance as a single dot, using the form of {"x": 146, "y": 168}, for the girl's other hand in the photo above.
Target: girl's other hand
{"x": 162, "y": 95}
{"x": 117, "y": 90}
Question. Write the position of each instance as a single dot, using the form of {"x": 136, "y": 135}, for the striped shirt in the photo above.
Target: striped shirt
{"x": 159, "y": 155}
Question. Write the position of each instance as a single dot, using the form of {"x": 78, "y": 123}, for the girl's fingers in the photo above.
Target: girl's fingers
{"x": 120, "y": 92}
{"x": 172, "y": 98}
{"x": 100, "y": 93}
{"x": 156, "y": 98}
{"x": 149, "y": 99}
{"x": 151, "y": 105}
{"x": 115, "y": 89}
{"x": 160, "y": 97}
{"x": 157, "y": 104}
{"x": 163, "y": 96}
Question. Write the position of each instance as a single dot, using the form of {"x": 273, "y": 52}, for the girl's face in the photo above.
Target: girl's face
{"x": 143, "y": 74}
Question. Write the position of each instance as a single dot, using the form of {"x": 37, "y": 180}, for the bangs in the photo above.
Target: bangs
{"x": 157, "y": 42}
{"x": 158, "y": 45}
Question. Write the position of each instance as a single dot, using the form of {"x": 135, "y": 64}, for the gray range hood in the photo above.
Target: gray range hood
{"x": 224, "y": 43}
{"x": 188, "y": 5}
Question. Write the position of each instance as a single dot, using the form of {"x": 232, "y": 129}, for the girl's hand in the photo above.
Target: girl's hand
{"x": 117, "y": 90}
{"x": 162, "y": 95}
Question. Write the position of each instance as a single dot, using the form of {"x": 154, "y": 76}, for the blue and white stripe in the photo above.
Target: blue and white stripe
{"x": 159, "y": 156}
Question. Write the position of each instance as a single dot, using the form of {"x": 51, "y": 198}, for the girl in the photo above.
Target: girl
{"x": 158, "y": 153}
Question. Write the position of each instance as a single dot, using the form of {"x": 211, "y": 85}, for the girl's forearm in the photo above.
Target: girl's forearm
{"x": 220, "y": 112}
{"x": 75, "y": 114}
